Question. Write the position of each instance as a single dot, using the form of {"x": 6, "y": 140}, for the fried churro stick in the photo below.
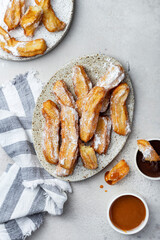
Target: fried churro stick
{"x": 81, "y": 82}
{"x": 90, "y": 113}
{"x": 49, "y": 19}
{"x": 111, "y": 79}
{"x": 102, "y": 135}
{"x": 118, "y": 172}
{"x": 51, "y": 131}
{"x": 69, "y": 133}
{"x": 31, "y": 19}
{"x": 63, "y": 96}
{"x": 119, "y": 114}
{"x": 88, "y": 156}
{"x": 147, "y": 150}
{"x": 13, "y": 14}
{"x": 22, "y": 48}
{"x": 82, "y": 86}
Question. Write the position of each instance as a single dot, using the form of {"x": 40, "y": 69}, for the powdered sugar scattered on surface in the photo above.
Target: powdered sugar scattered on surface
{"x": 63, "y": 10}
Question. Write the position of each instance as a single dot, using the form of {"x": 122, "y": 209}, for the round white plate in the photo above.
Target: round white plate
{"x": 95, "y": 67}
{"x": 63, "y": 9}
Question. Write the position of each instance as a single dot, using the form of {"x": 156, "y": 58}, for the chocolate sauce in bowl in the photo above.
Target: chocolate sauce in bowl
{"x": 151, "y": 169}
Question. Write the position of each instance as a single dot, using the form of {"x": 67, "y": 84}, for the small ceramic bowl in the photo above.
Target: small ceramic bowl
{"x": 143, "y": 174}
{"x": 135, "y": 230}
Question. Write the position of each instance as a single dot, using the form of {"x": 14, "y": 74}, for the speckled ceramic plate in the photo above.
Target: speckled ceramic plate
{"x": 63, "y": 9}
{"x": 95, "y": 67}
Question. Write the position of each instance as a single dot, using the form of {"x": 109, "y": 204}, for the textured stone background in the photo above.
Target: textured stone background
{"x": 128, "y": 31}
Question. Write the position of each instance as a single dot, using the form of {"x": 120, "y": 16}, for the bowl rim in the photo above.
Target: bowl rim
{"x": 151, "y": 178}
{"x": 137, "y": 229}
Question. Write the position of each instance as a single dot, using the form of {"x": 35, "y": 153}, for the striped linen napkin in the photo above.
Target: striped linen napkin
{"x": 27, "y": 191}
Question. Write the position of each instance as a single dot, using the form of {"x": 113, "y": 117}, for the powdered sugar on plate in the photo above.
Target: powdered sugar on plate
{"x": 63, "y": 10}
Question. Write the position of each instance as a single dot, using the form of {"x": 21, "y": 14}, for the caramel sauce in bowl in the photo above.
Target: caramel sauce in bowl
{"x": 128, "y": 213}
{"x": 150, "y": 170}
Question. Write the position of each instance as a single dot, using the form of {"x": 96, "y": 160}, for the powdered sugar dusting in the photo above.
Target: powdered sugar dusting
{"x": 102, "y": 136}
{"x": 70, "y": 136}
{"x": 128, "y": 129}
{"x": 147, "y": 152}
{"x": 63, "y": 10}
{"x": 60, "y": 171}
{"x": 63, "y": 96}
{"x": 97, "y": 141}
{"x": 13, "y": 49}
{"x": 51, "y": 135}
{"x": 81, "y": 78}
{"x": 115, "y": 103}
{"x": 112, "y": 78}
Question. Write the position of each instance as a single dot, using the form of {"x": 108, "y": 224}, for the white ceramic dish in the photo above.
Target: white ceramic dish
{"x": 148, "y": 177}
{"x": 63, "y": 9}
{"x": 95, "y": 66}
{"x": 135, "y": 230}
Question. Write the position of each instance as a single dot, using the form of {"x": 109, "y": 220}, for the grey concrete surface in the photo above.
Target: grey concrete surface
{"x": 128, "y": 31}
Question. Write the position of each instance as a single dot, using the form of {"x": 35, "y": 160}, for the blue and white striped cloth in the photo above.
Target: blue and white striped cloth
{"x": 27, "y": 191}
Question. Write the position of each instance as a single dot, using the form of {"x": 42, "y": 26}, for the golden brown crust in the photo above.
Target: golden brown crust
{"x": 63, "y": 96}
{"x": 50, "y": 108}
{"x": 32, "y": 48}
{"x": 119, "y": 114}
{"x": 118, "y": 172}
{"x": 31, "y": 19}
{"x": 147, "y": 150}
{"x": 22, "y": 48}
{"x": 51, "y": 132}
{"x": 69, "y": 133}
{"x": 14, "y": 13}
{"x": 88, "y": 156}
{"x": 82, "y": 86}
{"x": 90, "y": 113}
{"x": 49, "y": 19}
{"x": 112, "y": 78}
{"x": 101, "y": 138}
{"x": 81, "y": 81}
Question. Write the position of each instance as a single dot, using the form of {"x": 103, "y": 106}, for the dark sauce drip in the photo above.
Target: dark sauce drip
{"x": 151, "y": 169}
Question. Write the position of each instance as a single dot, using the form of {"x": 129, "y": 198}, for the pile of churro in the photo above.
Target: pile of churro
{"x": 82, "y": 126}
{"x": 29, "y": 19}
